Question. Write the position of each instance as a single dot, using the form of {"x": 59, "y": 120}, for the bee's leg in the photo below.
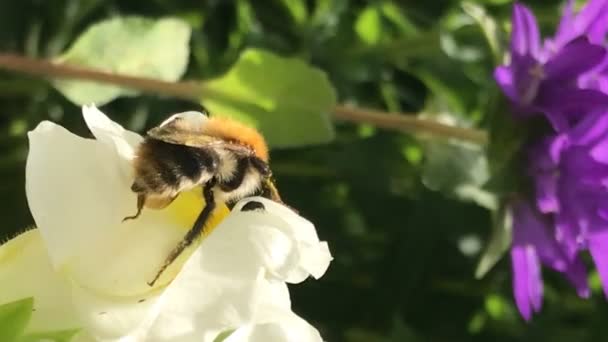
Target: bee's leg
{"x": 141, "y": 200}
{"x": 194, "y": 232}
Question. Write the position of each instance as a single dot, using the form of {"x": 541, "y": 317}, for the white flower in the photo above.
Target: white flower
{"x": 88, "y": 270}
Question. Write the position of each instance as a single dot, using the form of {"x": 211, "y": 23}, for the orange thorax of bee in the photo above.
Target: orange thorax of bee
{"x": 236, "y": 132}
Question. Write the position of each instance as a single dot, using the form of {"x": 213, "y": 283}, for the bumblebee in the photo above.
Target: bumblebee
{"x": 225, "y": 158}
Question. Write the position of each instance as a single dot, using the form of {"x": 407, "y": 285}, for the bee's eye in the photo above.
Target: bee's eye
{"x": 253, "y": 206}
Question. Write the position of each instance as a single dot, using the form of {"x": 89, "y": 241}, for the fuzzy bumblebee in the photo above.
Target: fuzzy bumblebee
{"x": 225, "y": 158}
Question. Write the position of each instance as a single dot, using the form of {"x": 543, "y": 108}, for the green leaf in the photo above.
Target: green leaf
{"x": 51, "y": 336}
{"x": 500, "y": 241}
{"x": 223, "y": 335}
{"x": 457, "y": 168}
{"x": 492, "y": 31}
{"x": 286, "y": 99}
{"x": 400, "y": 332}
{"x": 297, "y": 9}
{"x": 507, "y": 136}
{"x": 396, "y": 15}
{"x": 369, "y": 25}
{"x": 132, "y": 46}
{"x": 14, "y": 317}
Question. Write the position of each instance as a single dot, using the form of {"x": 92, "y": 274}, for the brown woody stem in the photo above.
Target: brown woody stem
{"x": 193, "y": 90}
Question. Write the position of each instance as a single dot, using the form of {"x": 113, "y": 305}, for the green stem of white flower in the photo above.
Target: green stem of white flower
{"x": 194, "y": 90}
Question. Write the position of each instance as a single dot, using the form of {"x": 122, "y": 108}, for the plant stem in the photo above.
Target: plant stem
{"x": 193, "y": 90}
{"x": 408, "y": 123}
{"x": 47, "y": 69}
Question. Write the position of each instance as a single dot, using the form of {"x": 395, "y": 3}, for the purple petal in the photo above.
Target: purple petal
{"x": 577, "y": 275}
{"x": 559, "y": 120}
{"x": 557, "y": 146}
{"x": 525, "y": 36}
{"x": 519, "y": 262}
{"x": 540, "y": 159}
{"x": 574, "y": 59}
{"x": 535, "y": 283}
{"x": 530, "y": 229}
{"x": 602, "y": 207}
{"x": 546, "y": 193}
{"x": 591, "y": 128}
{"x": 565, "y": 32}
{"x": 566, "y": 233}
{"x": 602, "y": 83}
{"x": 592, "y": 79}
{"x": 599, "y": 152}
{"x": 566, "y": 22}
{"x": 598, "y": 247}
{"x": 561, "y": 104}
{"x": 593, "y": 20}
{"x": 504, "y": 77}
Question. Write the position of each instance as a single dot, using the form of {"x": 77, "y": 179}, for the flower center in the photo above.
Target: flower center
{"x": 537, "y": 75}
{"x": 188, "y": 205}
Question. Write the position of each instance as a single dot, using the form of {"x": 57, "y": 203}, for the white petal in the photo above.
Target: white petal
{"x": 289, "y": 328}
{"x": 79, "y": 192}
{"x": 78, "y": 196}
{"x": 25, "y": 271}
{"x": 234, "y": 277}
{"x": 112, "y": 318}
{"x": 108, "y": 131}
{"x": 308, "y": 255}
{"x": 114, "y": 136}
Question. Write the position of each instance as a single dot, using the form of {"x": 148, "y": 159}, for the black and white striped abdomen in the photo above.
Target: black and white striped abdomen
{"x": 166, "y": 169}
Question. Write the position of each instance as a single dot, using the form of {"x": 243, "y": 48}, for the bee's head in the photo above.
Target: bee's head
{"x": 269, "y": 190}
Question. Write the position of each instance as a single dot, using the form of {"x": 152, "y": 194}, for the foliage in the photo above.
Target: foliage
{"x": 405, "y": 235}
{"x": 14, "y": 318}
{"x": 286, "y": 99}
{"x": 130, "y": 45}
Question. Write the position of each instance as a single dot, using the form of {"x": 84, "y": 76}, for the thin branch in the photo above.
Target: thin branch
{"x": 193, "y": 90}
{"x": 43, "y": 68}
{"x": 408, "y": 123}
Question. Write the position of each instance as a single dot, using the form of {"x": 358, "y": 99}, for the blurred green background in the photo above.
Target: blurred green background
{"x": 405, "y": 245}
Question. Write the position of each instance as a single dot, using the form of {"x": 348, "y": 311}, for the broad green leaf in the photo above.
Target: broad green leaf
{"x": 287, "y": 99}
{"x": 500, "y": 241}
{"x": 50, "y": 336}
{"x": 132, "y": 46}
{"x": 457, "y": 168}
{"x": 369, "y": 25}
{"x": 492, "y": 31}
{"x": 14, "y": 317}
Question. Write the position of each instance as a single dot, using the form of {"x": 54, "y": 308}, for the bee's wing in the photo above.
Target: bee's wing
{"x": 196, "y": 139}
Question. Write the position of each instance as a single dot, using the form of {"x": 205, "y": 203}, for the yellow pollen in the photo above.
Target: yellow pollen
{"x": 185, "y": 210}
{"x": 188, "y": 205}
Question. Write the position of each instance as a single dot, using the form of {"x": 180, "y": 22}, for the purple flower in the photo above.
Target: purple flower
{"x": 570, "y": 171}
{"x": 545, "y": 80}
{"x": 564, "y": 78}
{"x": 570, "y": 211}
{"x": 591, "y": 21}
{"x": 533, "y": 245}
